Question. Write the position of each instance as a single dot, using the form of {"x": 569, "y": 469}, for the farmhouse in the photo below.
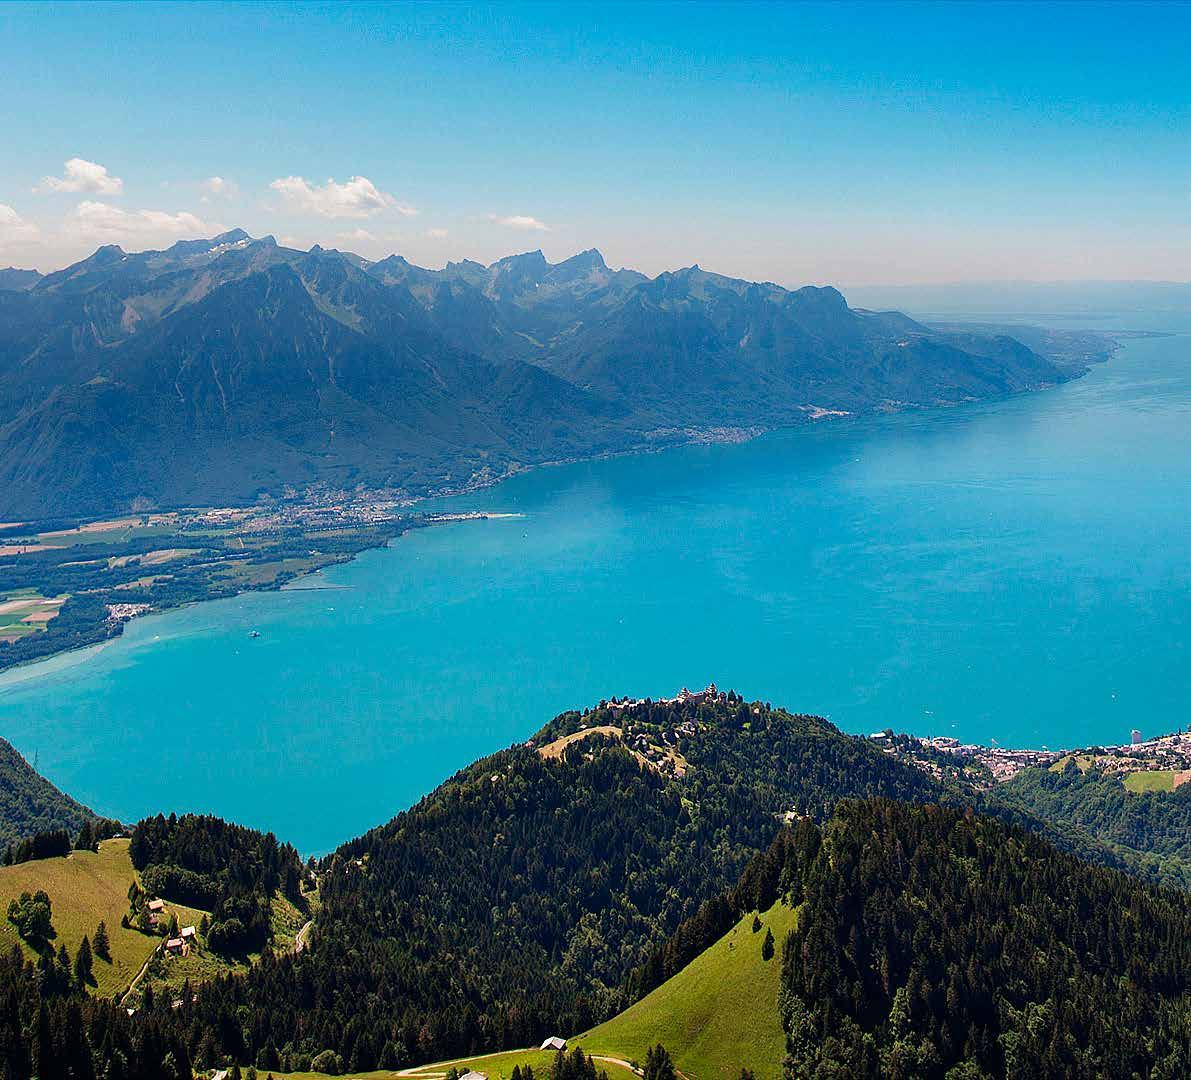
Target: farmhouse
{"x": 554, "y": 1043}
{"x": 187, "y": 933}
{"x": 177, "y": 947}
{"x": 156, "y": 906}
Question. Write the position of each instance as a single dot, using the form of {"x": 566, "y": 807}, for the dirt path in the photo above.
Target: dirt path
{"x": 624, "y": 1064}
{"x": 137, "y": 978}
{"x": 302, "y": 935}
{"x": 438, "y": 1070}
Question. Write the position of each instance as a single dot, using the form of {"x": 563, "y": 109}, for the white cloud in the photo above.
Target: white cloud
{"x": 13, "y": 226}
{"x": 217, "y": 187}
{"x": 520, "y": 221}
{"x": 437, "y": 234}
{"x": 111, "y": 225}
{"x": 358, "y": 198}
{"x": 81, "y": 175}
{"x": 358, "y": 235}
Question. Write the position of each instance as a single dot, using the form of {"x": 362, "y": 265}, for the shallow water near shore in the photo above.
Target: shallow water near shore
{"x": 1015, "y": 570}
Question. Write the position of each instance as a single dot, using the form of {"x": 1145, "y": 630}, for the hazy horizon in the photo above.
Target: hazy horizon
{"x": 973, "y": 297}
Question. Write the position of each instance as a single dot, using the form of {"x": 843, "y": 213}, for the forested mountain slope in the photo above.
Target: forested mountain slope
{"x": 30, "y": 804}
{"x": 516, "y": 900}
{"x": 936, "y": 943}
{"x": 1148, "y": 833}
{"x": 221, "y": 369}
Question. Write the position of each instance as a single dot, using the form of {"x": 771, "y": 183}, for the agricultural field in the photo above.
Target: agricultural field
{"x": 716, "y": 1016}
{"x": 68, "y": 588}
{"x": 85, "y": 888}
{"x": 26, "y": 611}
{"x": 1151, "y": 780}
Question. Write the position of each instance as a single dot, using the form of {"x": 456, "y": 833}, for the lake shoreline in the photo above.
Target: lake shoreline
{"x": 708, "y": 437}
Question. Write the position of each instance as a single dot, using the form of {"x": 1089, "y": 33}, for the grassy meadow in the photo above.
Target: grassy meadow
{"x": 84, "y": 888}
{"x": 717, "y": 1015}
{"x": 1151, "y": 780}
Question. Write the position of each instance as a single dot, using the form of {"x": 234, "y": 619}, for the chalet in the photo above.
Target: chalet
{"x": 473, "y": 1075}
{"x": 176, "y": 947}
{"x": 187, "y": 933}
{"x": 554, "y": 1043}
{"x": 156, "y": 906}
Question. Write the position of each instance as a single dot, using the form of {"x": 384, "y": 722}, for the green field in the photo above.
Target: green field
{"x": 1151, "y": 780}
{"x": 19, "y": 611}
{"x": 500, "y": 1066}
{"x": 717, "y": 1015}
{"x": 495, "y": 1066}
{"x": 83, "y": 889}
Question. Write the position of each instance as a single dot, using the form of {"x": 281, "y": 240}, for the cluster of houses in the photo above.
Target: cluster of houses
{"x": 182, "y": 944}
{"x": 175, "y": 946}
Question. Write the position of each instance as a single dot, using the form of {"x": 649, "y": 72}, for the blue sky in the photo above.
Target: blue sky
{"x": 840, "y": 143}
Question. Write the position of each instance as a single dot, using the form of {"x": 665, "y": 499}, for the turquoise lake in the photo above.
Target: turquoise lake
{"x": 1016, "y": 570}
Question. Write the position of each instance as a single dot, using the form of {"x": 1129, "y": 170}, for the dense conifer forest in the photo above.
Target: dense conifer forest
{"x": 934, "y": 942}
{"x": 30, "y": 804}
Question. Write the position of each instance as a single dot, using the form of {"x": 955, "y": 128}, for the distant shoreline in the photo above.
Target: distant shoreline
{"x": 715, "y": 436}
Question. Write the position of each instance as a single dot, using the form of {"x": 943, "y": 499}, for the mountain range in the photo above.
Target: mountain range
{"x": 221, "y": 370}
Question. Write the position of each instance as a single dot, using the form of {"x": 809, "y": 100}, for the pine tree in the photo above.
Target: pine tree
{"x": 658, "y": 1064}
{"x": 62, "y": 970}
{"x": 767, "y": 946}
{"x": 82, "y": 964}
{"x": 756, "y": 923}
{"x": 99, "y": 943}
{"x": 46, "y": 1059}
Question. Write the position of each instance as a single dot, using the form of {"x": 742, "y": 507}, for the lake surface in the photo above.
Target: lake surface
{"x": 1017, "y": 570}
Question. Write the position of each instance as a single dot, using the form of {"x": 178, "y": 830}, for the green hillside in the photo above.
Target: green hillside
{"x": 84, "y": 889}
{"x": 717, "y": 1015}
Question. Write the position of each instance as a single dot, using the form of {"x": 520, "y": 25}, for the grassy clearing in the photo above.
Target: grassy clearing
{"x": 85, "y": 888}
{"x": 1151, "y": 780}
{"x": 717, "y": 1015}
{"x": 500, "y": 1066}
{"x": 494, "y": 1066}
{"x": 169, "y": 974}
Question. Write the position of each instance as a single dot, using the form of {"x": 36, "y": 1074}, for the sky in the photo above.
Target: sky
{"x": 819, "y": 143}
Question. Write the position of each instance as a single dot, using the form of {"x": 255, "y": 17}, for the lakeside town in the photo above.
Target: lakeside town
{"x": 1164, "y": 761}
